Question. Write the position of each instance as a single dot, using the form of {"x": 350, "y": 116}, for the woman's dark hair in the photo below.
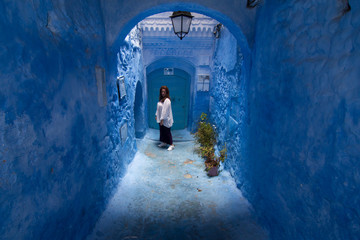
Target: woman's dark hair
{"x": 167, "y": 95}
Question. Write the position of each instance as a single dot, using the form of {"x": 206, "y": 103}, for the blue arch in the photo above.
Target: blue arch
{"x": 192, "y": 7}
{"x": 175, "y": 62}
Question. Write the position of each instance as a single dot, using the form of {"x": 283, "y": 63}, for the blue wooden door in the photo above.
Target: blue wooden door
{"x": 179, "y": 87}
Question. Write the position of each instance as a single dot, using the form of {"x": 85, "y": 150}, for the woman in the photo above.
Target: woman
{"x": 164, "y": 117}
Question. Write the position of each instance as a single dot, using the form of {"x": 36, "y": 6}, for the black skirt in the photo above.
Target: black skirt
{"x": 165, "y": 135}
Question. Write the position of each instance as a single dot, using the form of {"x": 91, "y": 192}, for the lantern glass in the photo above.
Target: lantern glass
{"x": 186, "y": 24}
{"x": 177, "y": 24}
{"x": 181, "y": 23}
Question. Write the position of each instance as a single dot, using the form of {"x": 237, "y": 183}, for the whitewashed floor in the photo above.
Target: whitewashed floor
{"x": 167, "y": 195}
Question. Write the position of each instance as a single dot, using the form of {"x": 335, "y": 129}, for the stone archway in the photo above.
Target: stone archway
{"x": 120, "y": 20}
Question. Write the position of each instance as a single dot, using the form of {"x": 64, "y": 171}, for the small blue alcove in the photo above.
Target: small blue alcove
{"x": 139, "y": 112}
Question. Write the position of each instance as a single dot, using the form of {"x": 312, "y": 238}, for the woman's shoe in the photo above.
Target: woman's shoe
{"x": 162, "y": 145}
{"x": 171, "y": 147}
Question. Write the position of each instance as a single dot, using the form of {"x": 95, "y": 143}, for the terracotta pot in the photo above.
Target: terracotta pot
{"x": 214, "y": 171}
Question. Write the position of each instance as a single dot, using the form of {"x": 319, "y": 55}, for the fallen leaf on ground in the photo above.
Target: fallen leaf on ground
{"x": 150, "y": 154}
{"x": 188, "y": 161}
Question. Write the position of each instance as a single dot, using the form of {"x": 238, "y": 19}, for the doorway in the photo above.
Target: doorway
{"x": 178, "y": 82}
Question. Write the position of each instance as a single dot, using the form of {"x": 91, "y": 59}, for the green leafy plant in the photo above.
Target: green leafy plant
{"x": 212, "y": 160}
{"x": 206, "y": 137}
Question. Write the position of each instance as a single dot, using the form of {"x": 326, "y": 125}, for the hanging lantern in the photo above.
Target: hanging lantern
{"x": 181, "y": 22}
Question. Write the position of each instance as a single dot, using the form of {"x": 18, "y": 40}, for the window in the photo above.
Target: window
{"x": 203, "y": 83}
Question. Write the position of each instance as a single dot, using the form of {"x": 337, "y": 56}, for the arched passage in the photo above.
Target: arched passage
{"x": 230, "y": 98}
{"x": 240, "y": 42}
{"x": 115, "y": 38}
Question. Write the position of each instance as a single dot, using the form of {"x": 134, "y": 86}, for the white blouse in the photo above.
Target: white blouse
{"x": 164, "y": 112}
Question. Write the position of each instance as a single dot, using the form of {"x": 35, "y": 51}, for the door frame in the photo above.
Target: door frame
{"x": 182, "y": 64}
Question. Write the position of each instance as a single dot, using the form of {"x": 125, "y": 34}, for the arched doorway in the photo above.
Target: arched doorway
{"x": 157, "y": 78}
{"x": 139, "y": 111}
{"x": 179, "y": 85}
{"x": 178, "y": 63}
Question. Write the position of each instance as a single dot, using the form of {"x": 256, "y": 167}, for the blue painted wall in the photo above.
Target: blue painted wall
{"x": 52, "y": 129}
{"x": 228, "y": 102}
{"x": 292, "y": 129}
{"x": 59, "y": 150}
{"x": 201, "y": 105}
{"x": 129, "y": 64}
{"x": 303, "y": 168}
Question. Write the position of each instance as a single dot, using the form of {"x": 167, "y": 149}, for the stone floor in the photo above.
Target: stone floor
{"x": 167, "y": 195}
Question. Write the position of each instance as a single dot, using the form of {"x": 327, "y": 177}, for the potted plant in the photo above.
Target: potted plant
{"x": 206, "y": 137}
{"x": 212, "y": 162}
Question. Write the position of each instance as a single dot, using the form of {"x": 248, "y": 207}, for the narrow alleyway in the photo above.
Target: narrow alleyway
{"x": 167, "y": 195}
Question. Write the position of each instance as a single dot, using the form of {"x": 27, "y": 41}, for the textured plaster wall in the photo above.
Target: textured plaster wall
{"x": 303, "y": 169}
{"x": 130, "y": 65}
{"x": 60, "y": 154}
{"x": 228, "y": 101}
